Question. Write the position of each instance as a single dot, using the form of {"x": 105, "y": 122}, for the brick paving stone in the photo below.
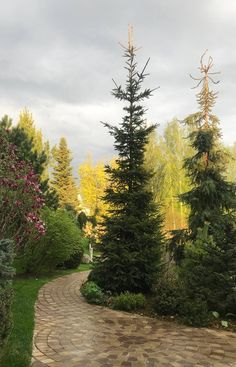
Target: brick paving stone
{"x": 71, "y": 333}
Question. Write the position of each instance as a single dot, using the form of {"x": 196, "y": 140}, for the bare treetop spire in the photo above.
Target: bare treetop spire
{"x": 130, "y": 47}
{"x": 204, "y": 68}
{"x": 206, "y": 98}
{"x": 130, "y": 37}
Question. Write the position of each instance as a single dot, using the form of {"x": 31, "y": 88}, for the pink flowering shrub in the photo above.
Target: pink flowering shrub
{"x": 20, "y": 197}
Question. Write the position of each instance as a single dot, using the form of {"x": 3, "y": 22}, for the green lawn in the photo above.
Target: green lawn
{"x": 17, "y": 352}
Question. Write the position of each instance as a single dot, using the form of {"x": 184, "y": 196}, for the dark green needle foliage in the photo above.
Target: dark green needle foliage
{"x": 130, "y": 249}
{"x": 210, "y": 265}
{"x": 212, "y": 199}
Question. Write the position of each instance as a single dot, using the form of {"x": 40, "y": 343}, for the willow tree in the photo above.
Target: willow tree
{"x": 176, "y": 182}
{"x": 130, "y": 250}
{"x": 210, "y": 265}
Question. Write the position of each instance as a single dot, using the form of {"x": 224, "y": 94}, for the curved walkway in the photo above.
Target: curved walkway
{"x": 71, "y": 333}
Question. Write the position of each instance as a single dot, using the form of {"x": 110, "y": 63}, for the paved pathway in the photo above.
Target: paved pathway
{"x": 71, "y": 333}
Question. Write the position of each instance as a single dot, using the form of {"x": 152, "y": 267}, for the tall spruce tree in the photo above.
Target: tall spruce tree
{"x": 131, "y": 245}
{"x": 63, "y": 181}
{"x": 212, "y": 199}
{"x": 209, "y": 268}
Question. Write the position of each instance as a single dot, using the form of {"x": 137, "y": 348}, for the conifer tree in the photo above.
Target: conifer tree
{"x": 209, "y": 268}
{"x": 63, "y": 181}
{"x": 26, "y": 123}
{"x": 212, "y": 199}
{"x": 38, "y": 146}
{"x": 131, "y": 245}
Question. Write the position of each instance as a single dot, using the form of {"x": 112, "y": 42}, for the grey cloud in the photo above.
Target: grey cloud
{"x": 58, "y": 58}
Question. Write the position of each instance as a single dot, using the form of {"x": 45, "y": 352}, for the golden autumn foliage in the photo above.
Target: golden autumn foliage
{"x": 93, "y": 182}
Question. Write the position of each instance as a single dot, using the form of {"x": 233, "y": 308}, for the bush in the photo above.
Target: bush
{"x": 74, "y": 260}
{"x": 20, "y": 197}
{"x": 167, "y": 298}
{"x": 62, "y": 240}
{"x": 208, "y": 271}
{"x": 6, "y": 292}
{"x": 128, "y": 301}
{"x": 194, "y": 312}
{"x": 93, "y": 293}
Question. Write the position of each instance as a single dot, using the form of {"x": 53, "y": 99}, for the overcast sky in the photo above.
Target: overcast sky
{"x": 58, "y": 58}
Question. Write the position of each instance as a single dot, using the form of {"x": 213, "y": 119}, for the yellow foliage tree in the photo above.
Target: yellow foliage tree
{"x": 27, "y": 124}
{"x": 93, "y": 182}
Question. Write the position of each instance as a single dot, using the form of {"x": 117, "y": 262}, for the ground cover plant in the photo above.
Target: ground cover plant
{"x": 127, "y": 301}
{"x": 93, "y": 293}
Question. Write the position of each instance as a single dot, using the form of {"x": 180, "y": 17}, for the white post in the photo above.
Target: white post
{"x": 91, "y": 252}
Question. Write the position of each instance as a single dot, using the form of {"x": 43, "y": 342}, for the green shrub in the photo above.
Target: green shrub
{"x": 167, "y": 298}
{"x": 128, "y": 301}
{"x": 6, "y": 292}
{"x": 208, "y": 272}
{"x": 93, "y": 293}
{"x": 74, "y": 260}
{"x": 194, "y": 312}
{"x": 62, "y": 240}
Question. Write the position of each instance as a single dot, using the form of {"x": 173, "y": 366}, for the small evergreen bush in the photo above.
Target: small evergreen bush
{"x": 167, "y": 297}
{"x": 128, "y": 301}
{"x": 74, "y": 260}
{"x": 6, "y": 292}
{"x": 93, "y": 293}
{"x": 194, "y": 312}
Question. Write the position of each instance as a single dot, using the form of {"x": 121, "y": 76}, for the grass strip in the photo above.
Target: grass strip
{"x": 18, "y": 349}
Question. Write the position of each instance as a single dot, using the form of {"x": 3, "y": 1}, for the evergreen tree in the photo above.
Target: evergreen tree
{"x": 63, "y": 181}
{"x": 131, "y": 245}
{"x": 27, "y": 125}
{"x": 209, "y": 268}
{"x": 212, "y": 199}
